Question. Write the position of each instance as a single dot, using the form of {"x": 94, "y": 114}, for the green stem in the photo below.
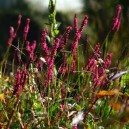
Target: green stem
{"x": 4, "y": 59}
{"x": 13, "y": 113}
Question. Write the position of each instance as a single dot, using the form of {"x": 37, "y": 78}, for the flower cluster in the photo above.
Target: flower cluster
{"x": 77, "y": 34}
{"x": 20, "y": 81}
{"x": 98, "y": 67}
{"x": 50, "y": 61}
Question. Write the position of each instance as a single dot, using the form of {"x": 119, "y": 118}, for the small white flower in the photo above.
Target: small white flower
{"x": 100, "y": 127}
{"x": 100, "y": 61}
{"x": 42, "y": 59}
{"x": 11, "y": 74}
{"x": 79, "y": 117}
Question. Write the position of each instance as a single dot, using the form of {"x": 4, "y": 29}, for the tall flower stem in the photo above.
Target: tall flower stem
{"x": 52, "y": 19}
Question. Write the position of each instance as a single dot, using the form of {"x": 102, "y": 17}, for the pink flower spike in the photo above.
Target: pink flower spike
{"x": 28, "y": 46}
{"x": 26, "y": 29}
{"x": 11, "y": 31}
{"x": 118, "y": 26}
{"x": 118, "y": 11}
{"x": 84, "y": 22}
{"x": 19, "y": 20}
{"x": 68, "y": 29}
{"x": 33, "y": 46}
{"x": 116, "y": 21}
{"x": 12, "y": 36}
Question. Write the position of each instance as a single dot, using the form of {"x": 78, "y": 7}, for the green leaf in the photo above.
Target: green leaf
{"x": 57, "y": 25}
{"x": 56, "y": 32}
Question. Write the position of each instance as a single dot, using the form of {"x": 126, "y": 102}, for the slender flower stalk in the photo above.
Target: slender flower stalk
{"x": 26, "y": 29}
{"x": 12, "y": 32}
{"x": 18, "y": 22}
{"x": 20, "y": 81}
{"x": 65, "y": 37}
{"x": 30, "y": 49}
{"x": 44, "y": 45}
{"x": 78, "y": 35}
{"x": 84, "y": 22}
{"x": 116, "y": 21}
{"x": 12, "y": 36}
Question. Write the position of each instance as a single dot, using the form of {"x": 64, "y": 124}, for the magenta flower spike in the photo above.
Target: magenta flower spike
{"x": 116, "y": 21}
{"x": 12, "y": 36}
{"x": 28, "y": 46}
{"x": 84, "y": 22}
{"x": 19, "y": 22}
{"x": 26, "y": 29}
{"x": 118, "y": 11}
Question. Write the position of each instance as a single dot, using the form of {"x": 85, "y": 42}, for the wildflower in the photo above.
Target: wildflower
{"x": 18, "y": 85}
{"x": 42, "y": 59}
{"x": 97, "y": 51}
{"x": 55, "y": 47}
{"x": 44, "y": 46}
{"x": 84, "y": 22}
{"x": 98, "y": 67}
{"x": 78, "y": 36}
{"x": 107, "y": 61}
{"x": 12, "y": 32}
{"x": 28, "y": 46}
{"x": 64, "y": 38}
{"x": 43, "y": 42}
{"x": 50, "y": 66}
{"x": 12, "y": 36}
{"x": 68, "y": 29}
{"x": 118, "y": 10}
{"x": 30, "y": 49}
{"x": 26, "y": 28}
{"x": 77, "y": 119}
{"x": 75, "y": 44}
{"x": 116, "y": 21}
{"x": 18, "y": 22}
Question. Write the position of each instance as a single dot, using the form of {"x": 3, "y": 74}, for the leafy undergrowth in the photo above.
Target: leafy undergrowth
{"x": 55, "y": 84}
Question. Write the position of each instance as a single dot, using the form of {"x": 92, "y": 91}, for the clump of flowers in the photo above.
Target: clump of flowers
{"x": 98, "y": 67}
{"x": 51, "y": 89}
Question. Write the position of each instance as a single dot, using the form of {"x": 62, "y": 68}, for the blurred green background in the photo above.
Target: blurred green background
{"x": 100, "y": 18}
